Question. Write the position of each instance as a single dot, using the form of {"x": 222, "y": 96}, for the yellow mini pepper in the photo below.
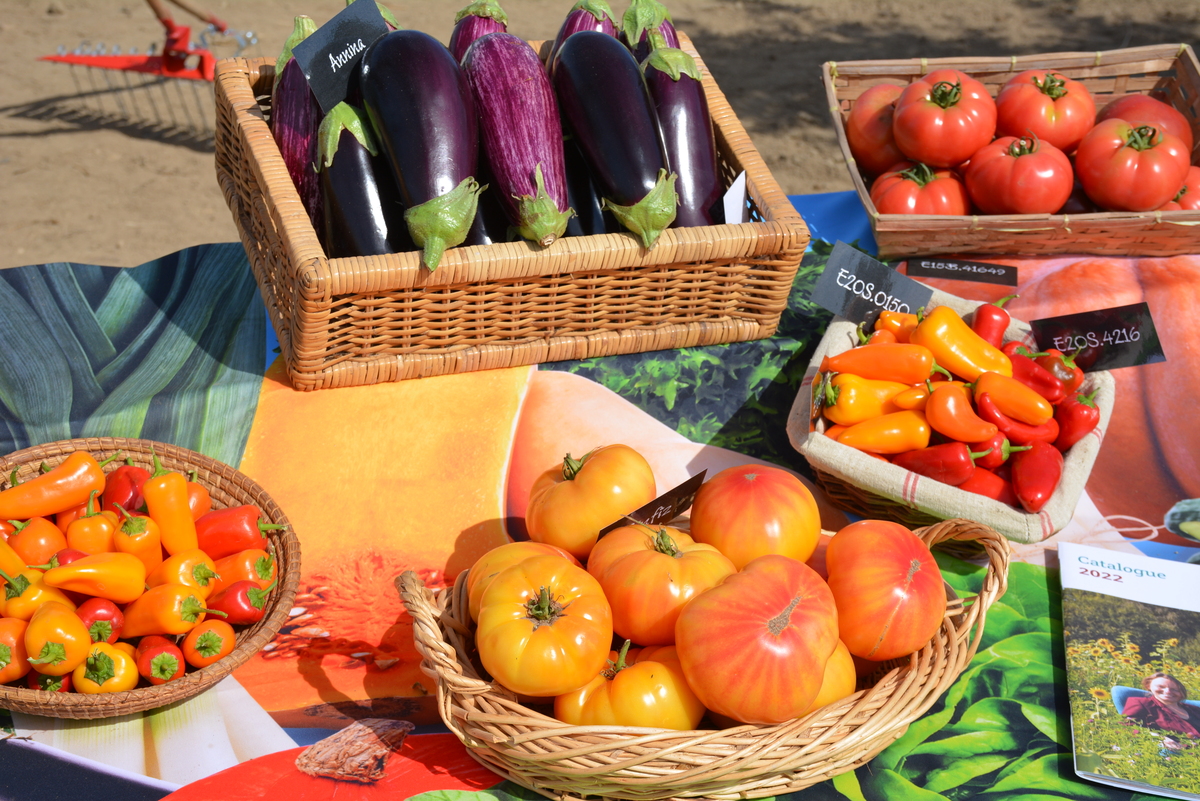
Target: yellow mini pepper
{"x": 957, "y": 348}
{"x": 850, "y": 399}
{"x": 56, "y": 640}
{"x": 165, "y": 609}
{"x": 193, "y": 568}
{"x": 889, "y": 434}
{"x": 119, "y": 577}
{"x": 166, "y": 494}
{"x": 107, "y": 669}
{"x": 26, "y": 592}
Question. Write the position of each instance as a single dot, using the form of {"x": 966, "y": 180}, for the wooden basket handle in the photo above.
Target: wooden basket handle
{"x": 437, "y": 654}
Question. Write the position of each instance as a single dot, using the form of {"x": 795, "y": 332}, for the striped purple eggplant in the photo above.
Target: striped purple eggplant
{"x": 295, "y": 117}
{"x": 478, "y": 19}
{"x": 642, "y": 18}
{"x": 674, "y": 82}
{"x": 521, "y": 134}
{"x": 605, "y": 103}
{"x": 585, "y": 15}
{"x": 423, "y": 113}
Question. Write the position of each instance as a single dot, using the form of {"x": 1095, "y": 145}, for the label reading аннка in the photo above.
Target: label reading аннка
{"x": 1123, "y": 336}
{"x": 857, "y": 287}
{"x": 330, "y": 56}
{"x": 663, "y": 509}
{"x": 962, "y": 270}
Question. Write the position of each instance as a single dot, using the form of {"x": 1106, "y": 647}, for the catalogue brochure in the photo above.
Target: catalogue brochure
{"x": 1131, "y": 625}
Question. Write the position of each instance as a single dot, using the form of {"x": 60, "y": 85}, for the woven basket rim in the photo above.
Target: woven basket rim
{"x": 280, "y": 602}
{"x": 544, "y": 754}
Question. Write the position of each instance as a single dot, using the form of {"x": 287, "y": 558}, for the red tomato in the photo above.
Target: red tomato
{"x": 1189, "y": 196}
{"x": 943, "y": 118}
{"x": 1127, "y": 167}
{"x": 649, "y": 575}
{"x": 634, "y": 690}
{"x": 569, "y": 504}
{"x": 754, "y": 510}
{"x": 755, "y": 647}
{"x": 1019, "y": 176}
{"x": 869, "y": 129}
{"x": 1046, "y": 105}
{"x": 909, "y": 188}
{"x": 500, "y": 558}
{"x": 889, "y": 591}
{"x": 1146, "y": 110}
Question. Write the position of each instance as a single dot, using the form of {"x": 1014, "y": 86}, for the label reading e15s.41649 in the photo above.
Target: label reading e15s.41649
{"x": 857, "y": 287}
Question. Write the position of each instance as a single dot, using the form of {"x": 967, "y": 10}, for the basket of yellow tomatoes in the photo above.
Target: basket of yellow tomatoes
{"x": 740, "y": 652}
{"x": 134, "y": 574}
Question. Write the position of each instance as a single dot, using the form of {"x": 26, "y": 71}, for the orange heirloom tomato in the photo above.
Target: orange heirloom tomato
{"x": 499, "y": 559}
{"x": 649, "y": 575}
{"x": 568, "y": 505}
{"x": 840, "y": 679}
{"x": 754, "y": 648}
{"x": 545, "y": 627}
{"x": 753, "y": 510}
{"x": 889, "y": 590}
{"x": 652, "y": 693}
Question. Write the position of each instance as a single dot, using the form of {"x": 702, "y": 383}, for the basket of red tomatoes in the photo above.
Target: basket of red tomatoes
{"x": 1049, "y": 153}
{"x": 133, "y": 574}
{"x": 740, "y": 652}
{"x": 951, "y": 412}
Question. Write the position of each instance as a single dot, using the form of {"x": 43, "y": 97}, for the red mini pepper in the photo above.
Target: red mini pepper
{"x": 123, "y": 487}
{"x": 991, "y": 320}
{"x": 1063, "y": 368}
{"x": 998, "y": 450}
{"x": 1035, "y": 474}
{"x": 986, "y": 483}
{"x": 951, "y": 463}
{"x": 1033, "y": 375}
{"x": 1017, "y": 432}
{"x": 159, "y": 659}
{"x": 243, "y": 601}
{"x": 50, "y": 684}
{"x": 224, "y": 532}
{"x": 103, "y": 618}
{"x": 1077, "y": 417}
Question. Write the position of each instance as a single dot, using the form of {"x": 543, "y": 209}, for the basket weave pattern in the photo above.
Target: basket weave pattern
{"x": 352, "y": 321}
{"x": 1171, "y": 69}
{"x": 228, "y": 487}
{"x": 569, "y": 762}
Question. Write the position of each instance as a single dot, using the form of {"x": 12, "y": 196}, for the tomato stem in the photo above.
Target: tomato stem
{"x": 614, "y": 668}
{"x": 946, "y": 94}
{"x": 920, "y": 173}
{"x": 664, "y": 543}
{"x": 1024, "y": 146}
{"x": 544, "y": 609}
{"x": 571, "y": 467}
{"x": 1142, "y": 138}
{"x": 1052, "y": 86}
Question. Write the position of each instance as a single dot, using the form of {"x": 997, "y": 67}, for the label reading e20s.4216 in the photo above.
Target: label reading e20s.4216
{"x": 1106, "y": 339}
{"x": 857, "y": 287}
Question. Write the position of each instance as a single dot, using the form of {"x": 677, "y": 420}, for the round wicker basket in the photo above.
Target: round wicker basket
{"x": 573, "y": 762}
{"x": 228, "y": 487}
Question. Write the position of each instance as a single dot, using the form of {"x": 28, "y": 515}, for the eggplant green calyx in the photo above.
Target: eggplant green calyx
{"x": 386, "y": 13}
{"x": 670, "y": 61}
{"x": 342, "y": 117}
{"x": 488, "y": 9}
{"x": 651, "y": 215}
{"x": 444, "y": 221}
{"x": 302, "y": 28}
{"x": 599, "y": 9}
{"x": 539, "y": 218}
{"x": 642, "y": 16}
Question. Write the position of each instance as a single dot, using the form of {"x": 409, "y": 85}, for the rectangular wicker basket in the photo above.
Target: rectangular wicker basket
{"x": 1171, "y": 71}
{"x": 353, "y": 321}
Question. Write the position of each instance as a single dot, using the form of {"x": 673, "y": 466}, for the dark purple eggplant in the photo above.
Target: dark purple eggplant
{"x": 642, "y": 18}
{"x": 674, "y": 82}
{"x": 605, "y": 102}
{"x": 585, "y": 15}
{"x": 422, "y": 111}
{"x": 478, "y": 19}
{"x": 363, "y": 212}
{"x": 521, "y": 134}
{"x": 295, "y": 117}
{"x": 590, "y": 217}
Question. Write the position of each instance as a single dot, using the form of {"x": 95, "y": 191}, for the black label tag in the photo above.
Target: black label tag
{"x": 1123, "y": 336}
{"x": 857, "y": 287}
{"x": 329, "y": 56}
{"x": 664, "y": 508}
{"x": 963, "y": 271}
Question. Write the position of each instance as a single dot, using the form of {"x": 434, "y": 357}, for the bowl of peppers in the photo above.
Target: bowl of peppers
{"x": 951, "y": 412}
{"x": 133, "y": 574}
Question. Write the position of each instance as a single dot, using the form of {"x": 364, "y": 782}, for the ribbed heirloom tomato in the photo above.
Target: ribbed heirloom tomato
{"x": 1126, "y": 166}
{"x": 638, "y": 687}
{"x": 1019, "y": 175}
{"x": 755, "y": 647}
{"x": 1046, "y": 105}
{"x": 911, "y": 188}
{"x": 499, "y": 559}
{"x": 943, "y": 118}
{"x": 869, "y": 129}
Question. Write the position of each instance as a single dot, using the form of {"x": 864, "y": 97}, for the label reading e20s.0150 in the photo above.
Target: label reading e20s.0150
{"x": 857, "y": 287}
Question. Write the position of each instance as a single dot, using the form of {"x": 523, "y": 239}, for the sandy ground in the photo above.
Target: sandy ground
{"x": 88, "y": 183}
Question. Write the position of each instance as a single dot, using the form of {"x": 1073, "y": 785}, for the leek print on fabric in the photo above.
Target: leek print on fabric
{"x": 171, "y": 351}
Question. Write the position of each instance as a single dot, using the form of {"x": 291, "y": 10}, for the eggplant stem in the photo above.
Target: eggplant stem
{"x": 651, "y": 215}
{"x": 444, "y": 221}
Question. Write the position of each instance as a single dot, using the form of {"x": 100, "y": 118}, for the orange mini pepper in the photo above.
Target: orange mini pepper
{"x": 107, "y": 669}
{"x": 36, "y": 540}
{"x": 118, "y": 577}
{"x": 199, "y": 499}
{"x": 165, "y": 609}
{"x": 252, "y": 564}
{"x": 14, "y": 661}
{"x": 10, "y": 561}
{"x": 166, "y": 497}
{"x": 904, "y": 363}
{"x": 949, "y": 412}
{"x": 850, "y": 399}
{"x": 69, "y": 484}
{"x": 1014, "y": 399}
{"x": 92, "y": 532}
{"x": 208, "y": 642}
{"x": 193, "y": 568}
{"x": 68, "y": 516}
{"x": 888, "y": 434}
{"x": 27, "y": 591}
{"x": 899, "y": 324}
{"x": 913, "y": 398}
{"x": 139, "y": 535}
{"x": 56, "y": 640}
{"x": 877, "y": 337}
{"x": 957, "y": 348}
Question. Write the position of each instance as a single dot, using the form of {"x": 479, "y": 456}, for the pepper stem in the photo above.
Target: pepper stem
{"x": 159, "y": 470}
{"x": 999, "y": 304}
{"x": 111, "y": 459}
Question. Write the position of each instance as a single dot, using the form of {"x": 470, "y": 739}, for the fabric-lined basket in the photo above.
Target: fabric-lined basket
{"x": 228, "y": 488}
{"x": 613, "y": 762}
{"x": 353, "y": 321}
{"x": 872, "y": 488}
{"x": 1170, "y": 71}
